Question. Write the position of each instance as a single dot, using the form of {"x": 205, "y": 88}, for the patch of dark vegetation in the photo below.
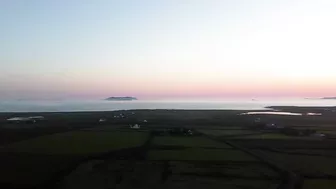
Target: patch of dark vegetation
{"x": 168, "y": 147}
{"x": 131, "y": 167}
{"x": 176, "y": 147}
{"x": 220, "y": 175}
{"x": 286, "y": 144}
{"x": 298, "y": 153}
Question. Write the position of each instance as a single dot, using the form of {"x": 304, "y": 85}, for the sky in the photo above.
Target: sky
{"x": 167, "y": 48}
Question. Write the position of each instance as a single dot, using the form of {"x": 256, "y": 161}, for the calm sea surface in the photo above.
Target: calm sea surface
{"x": 102, "y": 105}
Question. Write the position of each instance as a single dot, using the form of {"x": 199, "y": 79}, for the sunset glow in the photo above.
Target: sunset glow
{"x": 159, "y": 49}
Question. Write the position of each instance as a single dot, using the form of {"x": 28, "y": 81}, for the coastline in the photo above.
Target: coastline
{"x": 303, "y": 109}
{"x": 68, "y": 106}
{"x": 189, "y": 115}
{"x": 266, "y": 108}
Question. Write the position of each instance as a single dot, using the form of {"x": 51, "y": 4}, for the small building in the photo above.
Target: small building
{"x": 273, "y": 126}
{"x": 145, "y": 121}
{"x": 321, "y": 135}
{"x": 102, "y": 120}
{"x": 270, "y": 125}
{"x": 257, "y": 120}
{"x": 135, "y": 126}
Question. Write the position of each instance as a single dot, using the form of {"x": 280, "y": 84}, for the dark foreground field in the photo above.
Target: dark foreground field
{"x": 171, "y": 149}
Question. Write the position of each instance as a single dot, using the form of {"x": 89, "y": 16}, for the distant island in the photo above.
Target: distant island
{"x": 329, "y": 98}
{"x": 122, "y": 98}
{"x": 323, "y": 98}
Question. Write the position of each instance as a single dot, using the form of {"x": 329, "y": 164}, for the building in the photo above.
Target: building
{"x": 273, "y": 126}
{"x": 257, "y": 120}
{"x": 102, "y": 120}
{"x": 135, "y": 126}
{"x": 321, "y": 135}
{"x": 32, "y": 119}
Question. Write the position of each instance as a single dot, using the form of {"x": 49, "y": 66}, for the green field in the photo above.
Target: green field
{"x": 319, "y": 184}
{"x": 248, "y": 169}
{"x": 28, "y": 171}
{"x": 304, "y": 164}
{"x": 221, "y": 132}
{"x": 199, "y": 183}
{"x": 200, "y": 154}
{"x": 277, "y": 136}
{"x": 78, "y": 143}
{"x": 188, "y": 142}
{"x": 322, "y": 152}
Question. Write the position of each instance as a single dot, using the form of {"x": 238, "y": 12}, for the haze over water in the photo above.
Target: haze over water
{"x": 200, "y": 104}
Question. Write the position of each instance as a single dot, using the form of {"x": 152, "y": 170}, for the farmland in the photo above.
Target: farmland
{"x": 319, "y": 183}
{"x": 47, "y": 155}
{"x": 188, "y": 142}
{"x": 227, "y": 132}
{"x": 74, "y": 150}
{"x": 306, "y": 165}
{"x": 275, "y": 136}
{"x": 78, "y": 143}
{"x": 200, "y": 154}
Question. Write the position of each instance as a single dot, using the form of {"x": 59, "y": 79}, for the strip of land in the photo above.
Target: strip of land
{"x": 169, "y": 148}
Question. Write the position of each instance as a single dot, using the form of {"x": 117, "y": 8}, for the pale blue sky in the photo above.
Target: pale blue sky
{"x": 205, "y": 48}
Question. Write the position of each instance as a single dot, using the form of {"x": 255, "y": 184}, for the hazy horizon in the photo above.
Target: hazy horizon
{"x": 156, "y": 49}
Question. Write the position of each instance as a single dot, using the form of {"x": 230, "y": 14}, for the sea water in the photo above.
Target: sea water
{"x": 103, "y": 105}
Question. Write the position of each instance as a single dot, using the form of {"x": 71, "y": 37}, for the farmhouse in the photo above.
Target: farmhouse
{"x": 135, "y": 126}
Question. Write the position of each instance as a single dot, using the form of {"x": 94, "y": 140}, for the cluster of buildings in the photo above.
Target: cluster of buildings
{"x": 31, "y": 119}
{"x": 175, "y": 132}
{"x": 269, "y": 126}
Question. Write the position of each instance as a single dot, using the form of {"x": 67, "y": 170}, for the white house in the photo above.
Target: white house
{"x": 135, "y": 126}
{"x": 102, "y": 120}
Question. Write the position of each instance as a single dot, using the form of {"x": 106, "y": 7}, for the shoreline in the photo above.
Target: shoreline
{"x": 266, "y": 108}
{"x": 303, "y": 109}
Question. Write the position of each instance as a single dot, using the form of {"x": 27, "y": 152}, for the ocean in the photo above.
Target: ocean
{"x": 103, "y": 105}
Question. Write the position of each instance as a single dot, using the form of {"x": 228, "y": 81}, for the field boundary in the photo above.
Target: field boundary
{"x": 290, "y": 179}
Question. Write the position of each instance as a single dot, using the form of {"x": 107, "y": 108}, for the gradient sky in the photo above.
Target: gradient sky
{"x": 167, "y": 48}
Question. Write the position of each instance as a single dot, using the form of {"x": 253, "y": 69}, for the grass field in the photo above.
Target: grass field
{"x": 248, "y": 169}
{"x": 277, "y": 136}
{"x": 188, "y": 141}
{"x": 226, "y": 132}
{"x": 319, "y": 184}
{"x": 254, "y": 143}
{"x": 304, "y": 164}
{"x": 322, "y": 152}
{"x": 34, "y": 160}
{"x": 28, "y": 171}
{"x": 78, "y": 143}
{"x": 200, "y": 155}
{"x": 200, "y": 183}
